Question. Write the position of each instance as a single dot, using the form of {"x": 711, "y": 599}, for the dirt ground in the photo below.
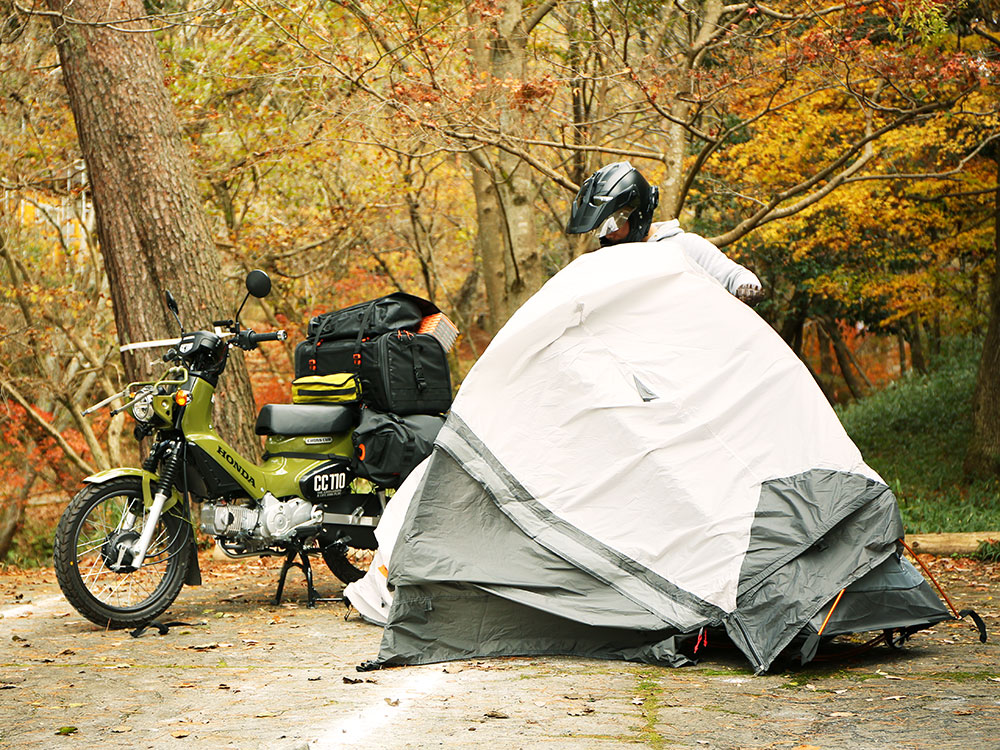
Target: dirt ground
{"x": 246, "y": 674}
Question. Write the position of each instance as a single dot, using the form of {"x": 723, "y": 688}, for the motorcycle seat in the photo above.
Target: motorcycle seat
{"x": 305, "y": 419}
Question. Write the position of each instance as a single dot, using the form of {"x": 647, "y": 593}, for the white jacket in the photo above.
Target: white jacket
{"x": 726, "y": 271}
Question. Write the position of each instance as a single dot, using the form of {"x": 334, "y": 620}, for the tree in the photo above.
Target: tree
{"x": 151, "y": 224}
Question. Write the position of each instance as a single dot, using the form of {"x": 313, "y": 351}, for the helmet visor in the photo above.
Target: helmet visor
{"x": 618, "y": 219}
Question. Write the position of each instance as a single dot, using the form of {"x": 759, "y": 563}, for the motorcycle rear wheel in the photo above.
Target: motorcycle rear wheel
{"x": 335, "y": 557}
{"x": 85, "y": 540}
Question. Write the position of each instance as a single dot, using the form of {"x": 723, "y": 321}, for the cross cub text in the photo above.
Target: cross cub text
{"x": 125, "y": 545}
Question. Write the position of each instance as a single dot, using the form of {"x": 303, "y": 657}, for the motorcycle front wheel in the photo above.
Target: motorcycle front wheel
{"x": 92, "y": 576}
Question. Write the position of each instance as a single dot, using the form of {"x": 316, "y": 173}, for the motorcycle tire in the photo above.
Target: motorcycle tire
{"x": 335, "y": 557}
{"x": 85, "y": 539}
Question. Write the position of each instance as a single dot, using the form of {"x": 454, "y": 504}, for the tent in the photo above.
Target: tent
{"x": 638, "y": 457}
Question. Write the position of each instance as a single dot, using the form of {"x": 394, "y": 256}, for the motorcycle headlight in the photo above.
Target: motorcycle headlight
{"x": 142, "y": 409}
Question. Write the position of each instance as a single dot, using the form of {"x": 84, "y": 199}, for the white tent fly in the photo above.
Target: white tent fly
{"x": 637, "y": 457}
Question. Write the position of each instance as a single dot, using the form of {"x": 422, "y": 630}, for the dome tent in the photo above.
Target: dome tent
{"x": 637, "y": 456}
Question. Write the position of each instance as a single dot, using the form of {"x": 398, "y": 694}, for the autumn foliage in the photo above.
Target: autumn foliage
{"x": 846, "y": 153}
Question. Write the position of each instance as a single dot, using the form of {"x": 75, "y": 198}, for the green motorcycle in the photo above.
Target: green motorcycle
{"x": 125, "y": 545}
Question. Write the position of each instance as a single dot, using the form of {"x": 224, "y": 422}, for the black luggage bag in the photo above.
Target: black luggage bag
{"x": 325, "y": 357}
{"x": 405, "y": 373}
{"x": 387, "y": 447}
{"x": 392, "y": 312}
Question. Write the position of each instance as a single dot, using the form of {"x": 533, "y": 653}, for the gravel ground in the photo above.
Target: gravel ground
{"x": 246, "y": 674}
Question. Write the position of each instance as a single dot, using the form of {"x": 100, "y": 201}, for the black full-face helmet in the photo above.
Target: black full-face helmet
{"x": 619, "y": 193}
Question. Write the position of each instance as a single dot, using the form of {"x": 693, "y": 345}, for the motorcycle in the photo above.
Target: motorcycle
{"x": 125, "y": 545}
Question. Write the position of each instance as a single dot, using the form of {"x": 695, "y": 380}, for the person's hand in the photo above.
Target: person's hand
{"x": 750, "y": 294}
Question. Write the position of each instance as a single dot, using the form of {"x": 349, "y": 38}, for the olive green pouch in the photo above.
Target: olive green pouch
{"x": 338, "y": 388}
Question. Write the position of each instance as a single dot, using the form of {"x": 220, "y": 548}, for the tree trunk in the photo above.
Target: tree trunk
{"x": 825, "y": 354}
{"x": 983, "y": 454}
{"x": 12, "y": 512}
{"x": 508, "y": 244}
{"x": 917, "y": 359}
{"x": 490, "y": 240}
{"x": 152, "y": 228}
{"x": 901, "y": 345}
{"x": 844, "y": 360}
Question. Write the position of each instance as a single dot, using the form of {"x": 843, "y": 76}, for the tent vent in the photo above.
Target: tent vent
{"x": 644, "y": 393}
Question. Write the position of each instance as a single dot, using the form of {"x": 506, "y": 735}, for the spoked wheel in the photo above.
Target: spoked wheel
{"x": 335, "y": 557}
{"x": 99, "y": 579}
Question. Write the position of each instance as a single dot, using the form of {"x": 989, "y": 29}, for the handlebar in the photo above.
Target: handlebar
{"x": 248, "y": 339}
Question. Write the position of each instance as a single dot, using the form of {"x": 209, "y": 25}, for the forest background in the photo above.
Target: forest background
{"x": 848, "y": 153}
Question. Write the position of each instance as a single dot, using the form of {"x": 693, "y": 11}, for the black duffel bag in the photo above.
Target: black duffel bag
{"x": 387, "y": 447}
{"x": 398, "y": 310}
{"x": 405, "y": 373}
{"x": 325, "y": 358}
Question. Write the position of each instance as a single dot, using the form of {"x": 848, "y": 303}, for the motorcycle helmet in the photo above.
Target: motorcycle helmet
{"x": 611, "y": 196}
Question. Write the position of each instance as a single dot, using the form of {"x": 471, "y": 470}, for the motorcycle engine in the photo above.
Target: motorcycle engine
{"x": 273, "y": 521}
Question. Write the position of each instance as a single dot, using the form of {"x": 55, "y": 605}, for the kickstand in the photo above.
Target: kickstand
{"x": 306, "y": 568}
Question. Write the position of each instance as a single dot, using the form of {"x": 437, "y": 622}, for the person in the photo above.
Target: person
{"x": 619, "y": 202}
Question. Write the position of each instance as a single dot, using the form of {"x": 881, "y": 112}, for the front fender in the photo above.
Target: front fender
{"x": 147, "y": 478}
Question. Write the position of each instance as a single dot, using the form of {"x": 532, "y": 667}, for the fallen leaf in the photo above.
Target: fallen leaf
{"x": 496, "y": 715}
{"x": 841, "y": 714}
{"x": 66, "y": 730}
{"x": 121, "y": 730}
{"x": 963, "y": 712}
{"x": 180, "y": 734}
{"x": 392, "y": 701}
{"x": 637, "y": 701}
{"x": 352, "y": 680}
{"x": 887, "y": 675}
{"x": 894, "y": 697}
{"x": 66, "y": 652}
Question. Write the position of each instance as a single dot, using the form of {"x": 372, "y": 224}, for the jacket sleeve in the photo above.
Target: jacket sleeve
{"x": 728, "y": 272}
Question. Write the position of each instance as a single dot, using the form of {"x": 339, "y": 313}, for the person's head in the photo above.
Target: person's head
{"x": 617, "y": 200}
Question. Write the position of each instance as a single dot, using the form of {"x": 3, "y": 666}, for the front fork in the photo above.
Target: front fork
{"x": 164, "y": 490}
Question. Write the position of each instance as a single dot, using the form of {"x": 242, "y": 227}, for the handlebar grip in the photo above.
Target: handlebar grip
{"x": 271, "y": 336}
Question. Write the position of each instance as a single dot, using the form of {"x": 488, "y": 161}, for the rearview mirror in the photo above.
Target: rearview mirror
{"x": 258, "y": 283}
{"x": 172, "y": 303}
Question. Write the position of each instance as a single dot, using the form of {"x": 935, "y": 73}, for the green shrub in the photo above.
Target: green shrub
{"x": 914, "y": 434}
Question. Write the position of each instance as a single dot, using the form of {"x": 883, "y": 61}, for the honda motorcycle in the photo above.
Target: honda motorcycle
{"x": 125, "y": 545}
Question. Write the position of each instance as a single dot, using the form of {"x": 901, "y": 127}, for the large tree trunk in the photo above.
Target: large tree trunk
{"x": 983, "y": 454}
{"x": 152, "y": 228}
{"x": 507, "y": 242}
